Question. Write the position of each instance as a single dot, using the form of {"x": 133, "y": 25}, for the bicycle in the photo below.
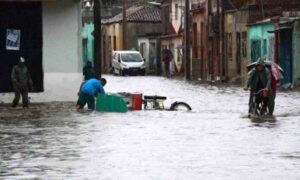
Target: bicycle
{"x": 157, "y": 103}
{"x": 259, "y": 104}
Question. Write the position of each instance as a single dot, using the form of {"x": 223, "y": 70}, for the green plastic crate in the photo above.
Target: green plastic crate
{"x": 110, "y": 103}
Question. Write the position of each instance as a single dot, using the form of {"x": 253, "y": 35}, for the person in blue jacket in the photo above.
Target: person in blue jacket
{"x": 88, "y": 90}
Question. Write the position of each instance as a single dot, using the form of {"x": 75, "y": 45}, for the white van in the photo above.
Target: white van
{"x": 128, "y": 62}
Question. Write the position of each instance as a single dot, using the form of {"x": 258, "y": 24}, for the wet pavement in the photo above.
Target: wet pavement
{"x": 50, "y": 140}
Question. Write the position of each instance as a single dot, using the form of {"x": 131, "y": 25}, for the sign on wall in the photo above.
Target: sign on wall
{"x": 13, "y": 38}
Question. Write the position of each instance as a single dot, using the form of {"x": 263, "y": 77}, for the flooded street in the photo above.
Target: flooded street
{"x": 214, "y": 141}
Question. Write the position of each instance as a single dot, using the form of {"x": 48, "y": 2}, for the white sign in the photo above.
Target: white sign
{"x": 13, "y": 39}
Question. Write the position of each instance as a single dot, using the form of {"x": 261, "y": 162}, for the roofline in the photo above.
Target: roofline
{"x": 127, "y": 51}
{"x": 264, "y": 21}
{"x": 115, "y": 22}
{"x": 137, "y": 21}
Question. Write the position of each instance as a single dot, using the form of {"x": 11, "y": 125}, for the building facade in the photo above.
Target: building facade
{"x": 172, "y": 36}
{"x": 45, "y": 33}
{"x": 141, "y": 21}
{"x": 206, "y": 57}
{"x": 277, "y": 39}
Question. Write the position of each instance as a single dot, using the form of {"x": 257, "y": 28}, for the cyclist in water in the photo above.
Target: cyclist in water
{"x": 259, "y": 79}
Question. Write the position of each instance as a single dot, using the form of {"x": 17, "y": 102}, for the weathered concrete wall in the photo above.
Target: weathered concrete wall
{"x": 236, "y": 22}
{"x": 140, "y": 29}
{"x": 176, "y": 19}
{"x": 260, "y": 32}
{"x": 200, "y": 44}
{"x": 134, "y": 30}
{"x": 62, "y": 43}
{"x": 113, "y": 35}
{"x": 230, "y": 29}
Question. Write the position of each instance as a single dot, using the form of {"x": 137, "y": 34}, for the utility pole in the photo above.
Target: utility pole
{"x": 218, "y": 41}
{"x": 124, "y": 25}
{"x": 97, "y": 38}
{"x": 187, "y": 57}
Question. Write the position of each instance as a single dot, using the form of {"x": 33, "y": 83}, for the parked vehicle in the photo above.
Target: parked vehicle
{"x": 128, "y": 63}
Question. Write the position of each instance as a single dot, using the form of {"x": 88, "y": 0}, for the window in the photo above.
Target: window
{"x": 115, "y": 42}
{"x": 131, "y": 57}
{"x": 195, "y": 40}
{"x": 244, "y": 44}
{"x": 176, "y": 11}
{"x": 229, "y": 45}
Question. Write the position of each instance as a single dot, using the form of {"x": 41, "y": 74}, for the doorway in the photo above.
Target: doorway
{"x": 24, "y": 21}
{"x": 286, "y": 55}
{"x": 238, "y": 54}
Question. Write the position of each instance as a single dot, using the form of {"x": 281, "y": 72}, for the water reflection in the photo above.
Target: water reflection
{"x": 270, "y": 120}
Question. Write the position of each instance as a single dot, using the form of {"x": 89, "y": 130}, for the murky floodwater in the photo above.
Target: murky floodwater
{"x": 214, "y": 141}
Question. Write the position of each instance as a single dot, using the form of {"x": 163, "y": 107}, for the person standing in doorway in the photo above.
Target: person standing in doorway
{"x": 88, "y": 71}
{"x": 167, "y": 58}
{"x": 22, "y": 83}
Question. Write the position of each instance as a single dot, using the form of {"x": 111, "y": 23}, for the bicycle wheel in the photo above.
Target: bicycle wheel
{"x": 180, "y": 106}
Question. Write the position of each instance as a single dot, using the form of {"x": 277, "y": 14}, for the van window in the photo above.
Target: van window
{"x": 131, "y": 57}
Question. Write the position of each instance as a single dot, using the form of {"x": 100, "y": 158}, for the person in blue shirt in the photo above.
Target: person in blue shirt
{"x": 88, "y": 90}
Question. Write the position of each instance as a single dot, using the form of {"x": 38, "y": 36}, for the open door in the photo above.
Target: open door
{"x": 286, "y": 61}
{"x": 20, "y": 35}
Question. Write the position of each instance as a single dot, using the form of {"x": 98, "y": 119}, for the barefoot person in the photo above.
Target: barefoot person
{"x": 22, "y": 83}
{"x": 88, "y": 90}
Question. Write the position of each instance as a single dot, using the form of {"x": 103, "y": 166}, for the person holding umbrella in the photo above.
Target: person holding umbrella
{"x": 259, "y": 78}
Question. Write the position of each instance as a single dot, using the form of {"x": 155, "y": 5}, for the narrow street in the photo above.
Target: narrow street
{"x": 214, "y": 141}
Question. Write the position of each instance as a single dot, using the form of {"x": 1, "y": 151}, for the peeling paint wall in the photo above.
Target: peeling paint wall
{"x": 260, "y": 42}
{"x": 235, "y": 26}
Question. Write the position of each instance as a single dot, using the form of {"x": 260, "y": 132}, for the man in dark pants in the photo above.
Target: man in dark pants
{"x": 167, "y": 58}
{"x": 88, "y": 91}
{"x": 22, "y": 83}
{"x": 260, "y": 79}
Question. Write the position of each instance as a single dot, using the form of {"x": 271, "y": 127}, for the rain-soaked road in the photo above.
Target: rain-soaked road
{"x": 214, "y": 141}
